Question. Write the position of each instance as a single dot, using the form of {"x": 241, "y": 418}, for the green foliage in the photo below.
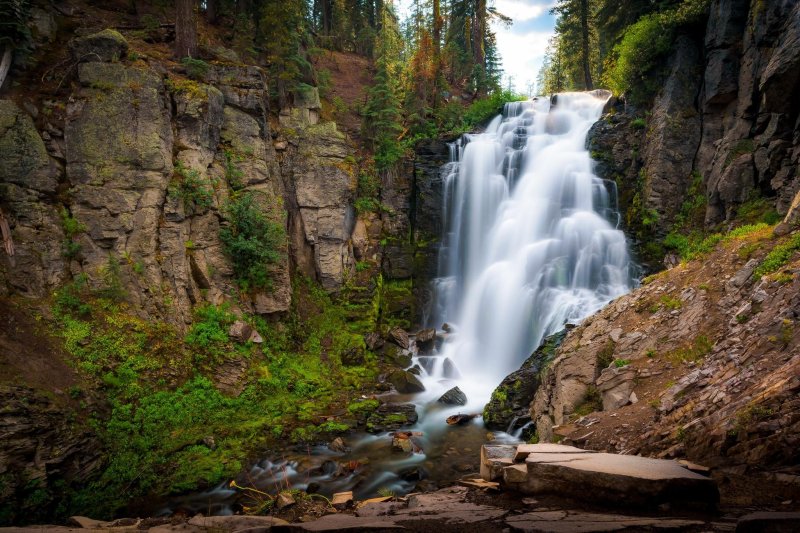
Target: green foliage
{"x": 779, "y": 256}
{"x": 484, "y": 109}
{"x": 368, "y": 192}
{"x": 72, "y": 228}
{"x": 638, "y": 54}
{"x": 14, "y": 30}
{"x": 606, "y": 355}
{"x": 192, "y": 189}
{"x": 758, "y": 209}
{"x": 196, "y": 69}
{"x": 639, "y": 123}
{"x": 362, "y": 407}
{"x": 694, "y": 351}
{"x": 233, "y": 174}
{"x": 591, "y": 403}
{"x": 209, "y": 331}
{"x": 619, "y": 363}
{"x": 72, "y": 298}
{"x": 254, "y": 239}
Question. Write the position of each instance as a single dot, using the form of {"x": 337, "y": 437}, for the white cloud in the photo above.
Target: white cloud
{"x": 521, "y": 10}
{"x": 522, "y": 54}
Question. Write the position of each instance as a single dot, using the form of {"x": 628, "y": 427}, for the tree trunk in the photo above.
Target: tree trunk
{"x": 587, "y": 72}
{"x": 185, "y": 29}
{"x": 478, "y": 33}
{"x": 437, "y": 53}
{"x": 211, "y": 11}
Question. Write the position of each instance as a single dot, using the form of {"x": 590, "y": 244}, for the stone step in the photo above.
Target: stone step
{"x": 602, "y": 477}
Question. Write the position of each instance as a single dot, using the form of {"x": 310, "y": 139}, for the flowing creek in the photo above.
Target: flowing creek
{"x": 531, "y": 243}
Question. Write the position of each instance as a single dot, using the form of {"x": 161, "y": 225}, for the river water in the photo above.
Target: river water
{"x": 531, "y": 243}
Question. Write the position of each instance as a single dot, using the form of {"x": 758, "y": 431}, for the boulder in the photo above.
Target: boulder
{"x": 400, "y": 337}
{"x": 425, "y": 341}
{"x": 284, "y": 500}
{"x": 405, "y": 382}
{"x": 342, "y": 500}
{"x": 107, "y": 45}
{"x": 240, "y": 331}
{"x": 392, "y": 416}
{"x": 338, "y": 445}
{"x": 373, "y": 341}
{"x": 616, "y": 386}
{"x": 453, "y": 397}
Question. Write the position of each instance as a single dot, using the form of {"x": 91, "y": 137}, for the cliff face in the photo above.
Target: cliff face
{"x": 726, "y": 113}
{"x": 112, "y": 157}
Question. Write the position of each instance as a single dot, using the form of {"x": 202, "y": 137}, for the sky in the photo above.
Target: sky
{"x": 521, "y": 45}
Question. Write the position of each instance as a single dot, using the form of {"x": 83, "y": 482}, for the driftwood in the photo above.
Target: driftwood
{"x": 5, "y": 230}
{"x": 459, "y": 419}
{"x": 5, "y": 64}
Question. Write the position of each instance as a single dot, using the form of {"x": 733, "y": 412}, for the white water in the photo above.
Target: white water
{"x": 531, "y": 240}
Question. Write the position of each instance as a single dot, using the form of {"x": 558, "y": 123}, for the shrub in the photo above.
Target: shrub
{"x": 253, "y": 240}
{"x": 194, "y": 190}
{"x": 210, "y": 327}
{"x": 195, "y": 68}
{"x": 72, "y": 228}
{"x": 638, "y": 53}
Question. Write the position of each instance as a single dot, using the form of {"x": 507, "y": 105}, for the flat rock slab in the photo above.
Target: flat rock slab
{"x": 573, "y": 521}
{"x": 344, "y": 522}
{"x": 617, "y": 479}
{"x": 769, "y": 522}
{"x": 524, "y": 450}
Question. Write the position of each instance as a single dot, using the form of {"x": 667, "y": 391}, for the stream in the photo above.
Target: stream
{"x": 531, "y": 243}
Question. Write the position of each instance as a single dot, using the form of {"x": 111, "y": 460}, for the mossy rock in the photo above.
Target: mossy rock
{"x": 107, "y": 45}
{"x": 392, "y": 416}
{"x": 512, "y": 398}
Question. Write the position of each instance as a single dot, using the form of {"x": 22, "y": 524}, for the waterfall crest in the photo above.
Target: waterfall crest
{"x": 531, "y": 239}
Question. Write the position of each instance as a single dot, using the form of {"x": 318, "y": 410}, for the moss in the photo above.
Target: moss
{"x": 741, "y": 147}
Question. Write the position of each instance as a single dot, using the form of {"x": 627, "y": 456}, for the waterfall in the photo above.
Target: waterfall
{"x": 531, "y": 239}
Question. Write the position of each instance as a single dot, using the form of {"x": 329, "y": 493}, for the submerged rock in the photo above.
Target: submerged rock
{"x": 454, "y": 396}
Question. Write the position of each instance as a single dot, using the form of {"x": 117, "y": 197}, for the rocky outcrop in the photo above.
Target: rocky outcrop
{"x": 508, "y": 408}
{"x": 710, "y": 354}
{"x": 673, "y": 133}
{"x": 319, "y": 176}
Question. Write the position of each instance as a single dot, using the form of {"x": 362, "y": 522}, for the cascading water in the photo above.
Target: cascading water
{"x": 530, "y": 244}
{"x": 531, "y": 240}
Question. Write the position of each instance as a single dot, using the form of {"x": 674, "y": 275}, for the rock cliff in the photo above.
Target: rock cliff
{"x": 725, "y": 113}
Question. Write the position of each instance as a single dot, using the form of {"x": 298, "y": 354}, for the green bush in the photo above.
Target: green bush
{"x": 72, "y": 228}
{"x": 253, "y": 240}
{"x": 639, "y": 52}
{"x": 195, "y": 68}
{"x": 210, "y": 327}
{"x": 189, "y": 186}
